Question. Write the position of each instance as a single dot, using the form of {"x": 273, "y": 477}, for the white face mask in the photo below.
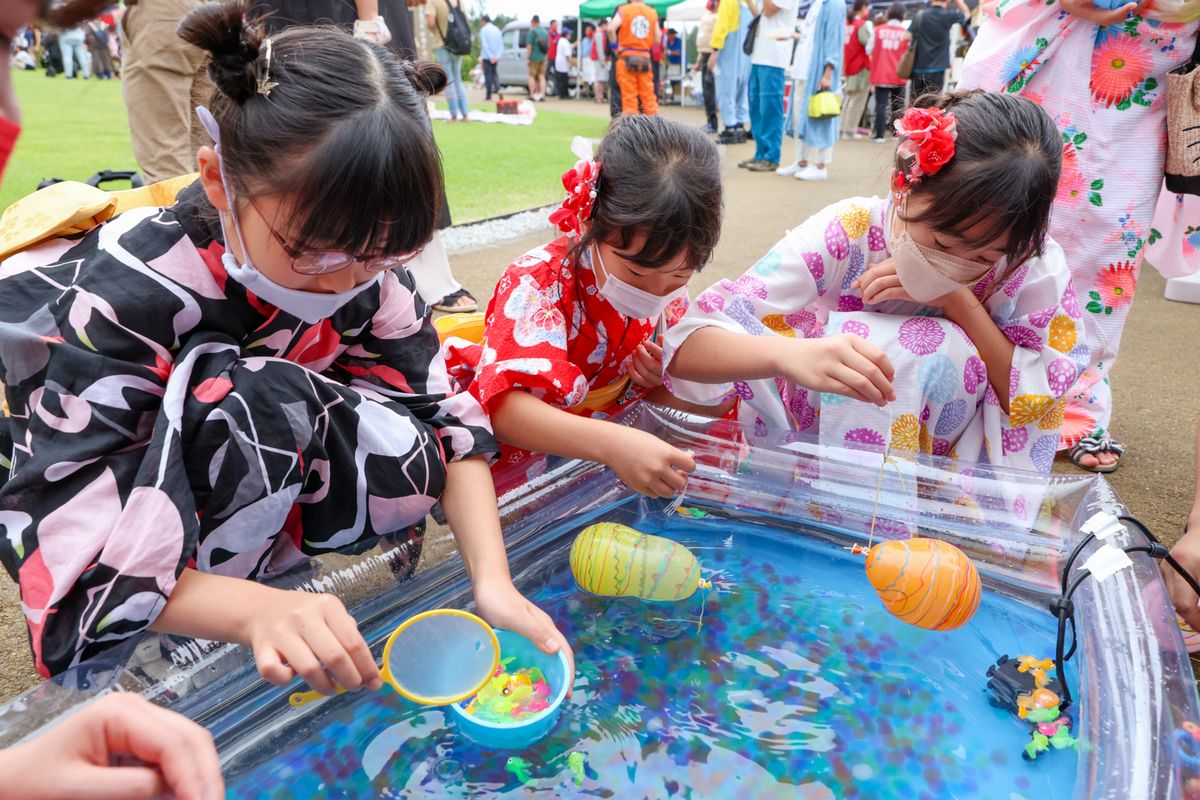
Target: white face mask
{"x": 927, "y": 273}
{"x": 312, "y": 307}
{"x": 630, "y": 300}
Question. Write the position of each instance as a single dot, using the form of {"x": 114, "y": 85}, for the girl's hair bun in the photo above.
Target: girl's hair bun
{"x": 233, "y": 41}
{"x": 425, "y": 76}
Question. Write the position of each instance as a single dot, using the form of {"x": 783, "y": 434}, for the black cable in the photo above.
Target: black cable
{"x": 1191, "y": 581}
{"x": 1091, "y": 537}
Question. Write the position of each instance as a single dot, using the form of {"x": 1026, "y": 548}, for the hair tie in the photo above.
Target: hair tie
{"x": 581, "y": 183}
{"x": 927, "y": 137}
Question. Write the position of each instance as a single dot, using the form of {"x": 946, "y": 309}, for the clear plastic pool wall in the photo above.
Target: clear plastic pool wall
{"x": 1135, "y": 685}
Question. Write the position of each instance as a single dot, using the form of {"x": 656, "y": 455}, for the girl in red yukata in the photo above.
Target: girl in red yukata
{"x": 572, "y": 333}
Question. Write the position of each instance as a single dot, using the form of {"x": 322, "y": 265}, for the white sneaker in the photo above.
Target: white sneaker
{"x": 812, "y": 173}
{"x": 790, "y": 170}
{"x": 879, "y": 140}
{"x": 1184, "y": 290}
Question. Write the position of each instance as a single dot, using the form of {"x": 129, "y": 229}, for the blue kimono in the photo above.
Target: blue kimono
{"x": 828, "y": 41}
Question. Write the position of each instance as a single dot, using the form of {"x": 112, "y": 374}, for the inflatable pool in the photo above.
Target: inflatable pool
{"x": 786, "y": 677}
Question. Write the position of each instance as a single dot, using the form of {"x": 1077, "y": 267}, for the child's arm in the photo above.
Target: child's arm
{"x": 643, "y": 461}
{"x": 843, "y": 364}
{"x": 1187, "y": 552}
{"x": 470, "y": 506}
{"x": 290, "y": 632}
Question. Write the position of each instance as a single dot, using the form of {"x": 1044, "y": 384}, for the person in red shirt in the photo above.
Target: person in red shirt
{"x": 855, "y": 63}
{"x": 890, "y": 44}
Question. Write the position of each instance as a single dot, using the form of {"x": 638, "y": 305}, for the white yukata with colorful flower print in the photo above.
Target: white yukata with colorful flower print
{"x": 945, "y": 405}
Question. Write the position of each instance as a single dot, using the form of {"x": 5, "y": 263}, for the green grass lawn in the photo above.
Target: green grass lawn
{"x": 72, "y": 129}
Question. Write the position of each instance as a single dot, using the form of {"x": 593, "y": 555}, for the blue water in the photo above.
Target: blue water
{"x": 797, "y": 684}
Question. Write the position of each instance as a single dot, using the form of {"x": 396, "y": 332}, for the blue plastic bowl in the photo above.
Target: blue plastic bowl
{"x": 518, "y": 735}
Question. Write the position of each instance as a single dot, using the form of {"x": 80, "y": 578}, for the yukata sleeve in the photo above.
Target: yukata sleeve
{"x": 777, "y": 296}
{"x": 1038, "y": 310}
{"x": 97, "y": 520}
{"x": 399, "y": 357}
{"x": 525, "y": 343}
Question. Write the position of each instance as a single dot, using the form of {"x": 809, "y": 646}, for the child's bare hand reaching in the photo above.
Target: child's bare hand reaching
{"x": 313, "y": 636}
{"x": 645, "y": 366}
{"x": 845, "y": 364}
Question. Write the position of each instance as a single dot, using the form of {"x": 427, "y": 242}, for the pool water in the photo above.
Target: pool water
{"x": 796, "y": 684}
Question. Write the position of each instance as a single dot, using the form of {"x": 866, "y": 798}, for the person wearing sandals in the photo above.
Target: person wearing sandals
{"x": 1099, "y": 74}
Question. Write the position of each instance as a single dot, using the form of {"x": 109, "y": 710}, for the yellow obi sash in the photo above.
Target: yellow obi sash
{"x": 471, "y": 327}
{"x": 69, "y": 207}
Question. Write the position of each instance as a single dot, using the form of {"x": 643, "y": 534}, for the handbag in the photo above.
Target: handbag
{"x": 751, "y": 35}
{"x": 1183, "y": 126}
{"x": 824, "y": 105}
{"x": 904, "y": 68}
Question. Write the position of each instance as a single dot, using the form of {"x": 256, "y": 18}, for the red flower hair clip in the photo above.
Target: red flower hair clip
{"x": 580, "y": 183}
{"x": 927, "y": 136}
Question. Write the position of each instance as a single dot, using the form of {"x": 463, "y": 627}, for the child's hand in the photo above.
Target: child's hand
{"x": 845, "y": 364}
{"x": 880, "y": 282}
{"x": 499, "y": 602}
{"x": 306, "y": 634}
{"x": 177, "y": 757}
{"x": 1090, "y": 12}
{"x": 1187, "y": 552}
{"x": 647, "y": 464}
{"x": 645, "y": 366}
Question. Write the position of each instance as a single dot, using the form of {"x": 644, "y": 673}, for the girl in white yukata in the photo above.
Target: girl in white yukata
{"x": 952, "y": 275}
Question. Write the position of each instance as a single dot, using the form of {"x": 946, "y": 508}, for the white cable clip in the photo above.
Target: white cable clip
{"x": 1102, "y": 525}
{"x": 1106, "y": 562}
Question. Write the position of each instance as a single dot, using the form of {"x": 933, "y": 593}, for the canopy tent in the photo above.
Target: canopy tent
{"x": 686, "y": 11}
{"x": 603, "y": 9}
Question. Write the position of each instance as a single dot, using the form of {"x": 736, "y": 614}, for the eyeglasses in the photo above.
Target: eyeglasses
{"x": 322, "y": 262}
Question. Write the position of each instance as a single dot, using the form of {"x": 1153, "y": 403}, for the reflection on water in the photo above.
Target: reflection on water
{"x": 797, "y": 684}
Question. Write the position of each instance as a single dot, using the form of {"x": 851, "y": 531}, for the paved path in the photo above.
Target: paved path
{"x": 1156, "y": 382}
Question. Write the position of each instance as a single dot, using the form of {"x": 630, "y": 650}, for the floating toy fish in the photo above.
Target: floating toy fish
{"x": 924, "y": 582}
{"x": 577, "y": 763}
{"x": 617, "y": 561}
{"x": 511, "y": 696}
{"x": 519, "y": 767}
{"x": 692, "y": 513}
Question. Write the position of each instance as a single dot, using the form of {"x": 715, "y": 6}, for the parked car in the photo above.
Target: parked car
{"x": 513, "y": 69}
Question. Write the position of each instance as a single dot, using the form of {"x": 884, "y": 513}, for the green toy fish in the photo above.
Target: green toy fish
{"x": 519, "y": 767}
{"x": 577, "y": 763}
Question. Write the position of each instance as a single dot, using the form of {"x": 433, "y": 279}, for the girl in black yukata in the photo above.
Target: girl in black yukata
{"x": 207, "y": 394}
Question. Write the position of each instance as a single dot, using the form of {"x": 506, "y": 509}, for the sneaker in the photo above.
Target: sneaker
{"x": 763, "y": 166}
{"x": 708, "y": 128}
{"x": 790, "y": 170}
{"x": 812, "y": 173}
{"x": 879, "y": 140}
{"x": 730, "y": 136}
{"x": 748, "y": 163}
{"x": 749, "y": 135}
{"x": 863, "y": 132}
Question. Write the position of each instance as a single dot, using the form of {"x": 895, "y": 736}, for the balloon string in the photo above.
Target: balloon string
{"x": 887, "y": 459}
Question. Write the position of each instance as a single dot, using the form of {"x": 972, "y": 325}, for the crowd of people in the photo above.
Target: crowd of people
{"x": 973, "y": 311}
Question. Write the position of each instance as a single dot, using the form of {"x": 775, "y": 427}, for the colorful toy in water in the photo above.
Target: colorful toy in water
{"x": 1187, "y": 746}
{"x": 577, "y": 763}
{"x": 616, "y": 561}
{"x": 691, "y": 513}
{"x": 519, "y": 767}
{"x": 511, "y": 696}
{"x": 924, "y": 582}
{"x": 1027, "y": 686}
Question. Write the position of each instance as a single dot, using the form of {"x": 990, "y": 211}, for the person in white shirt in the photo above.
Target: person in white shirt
{"x": 772, "y": 49}
{"x": 562, "y": 66}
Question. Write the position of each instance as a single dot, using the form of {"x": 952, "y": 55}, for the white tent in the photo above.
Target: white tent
{"x": 687, "y": 11}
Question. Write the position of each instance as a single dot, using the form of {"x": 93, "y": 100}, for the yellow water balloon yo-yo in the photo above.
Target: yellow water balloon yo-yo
{"x": 617, "y": 561}
{"x": 435, "y": 658}
{"x": 925, "y": 582}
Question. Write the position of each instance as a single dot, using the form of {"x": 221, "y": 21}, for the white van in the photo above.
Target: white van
{"x": 513, "y": 69}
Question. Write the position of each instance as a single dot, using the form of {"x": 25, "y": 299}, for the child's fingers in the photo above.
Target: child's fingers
{"x": 858, "y": 382}
{"x": 271, "y": 666}
{"x": 302, "y": 659}
{"x": 346, "y": 630}
{"x": 653, "y": 349}
{"x": 683, "y": 460}
{"x": 868, "y": 369}
{"x": 876, "y": 355}
{"x": 333, "y": 656}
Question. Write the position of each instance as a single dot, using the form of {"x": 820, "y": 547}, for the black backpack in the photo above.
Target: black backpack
{"x": 457, "y": 36}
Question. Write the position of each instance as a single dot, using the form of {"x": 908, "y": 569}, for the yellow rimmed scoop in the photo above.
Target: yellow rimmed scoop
{"x": 435, "y": 658}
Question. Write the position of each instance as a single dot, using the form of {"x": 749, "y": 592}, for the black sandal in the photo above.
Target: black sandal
{"x": 450, "y": 303}
{"x": 1092, "y": 446}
